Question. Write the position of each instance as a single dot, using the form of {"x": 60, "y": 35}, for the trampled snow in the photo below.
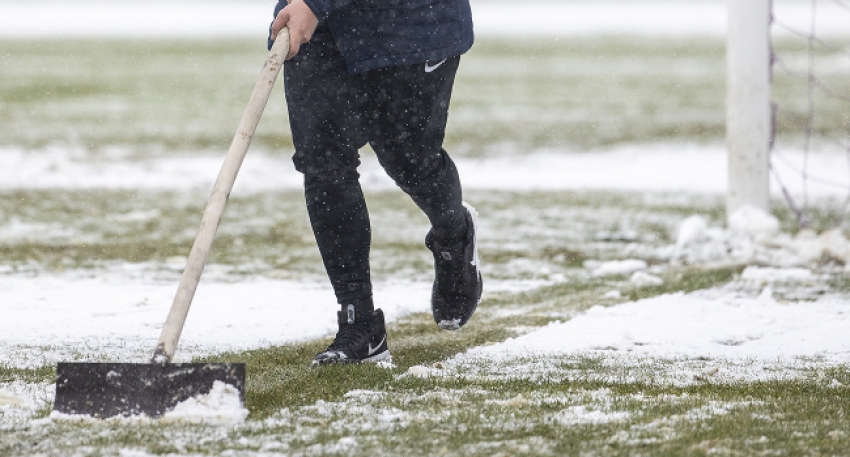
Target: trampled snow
{"x": 196, "y": 18}
{"x": 662, "y": 167}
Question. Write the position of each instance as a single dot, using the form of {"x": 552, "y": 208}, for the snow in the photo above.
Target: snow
{"x": 615, "y": 267}
{"x": 691, "y": 230}
{"x": 18, "y": 400}
{"x": 725, "y": 329}
{"x": 658, "y": 167}
{"x": 742, "y": 331}
{"x": 420, "y": 371}
{"x": 221, "y": 405}
{"x": 753, "y": 236}
{"x": 740, "y": 335}
{"x": 643, "y": 279}
{"x": 7, "y": 399}
{"x": 766, "y": 275}
{"x": 117, "y": 316}
{"x": 196, "y": 18}
{"x": 723, "y": 334}
{"x": 582, "y": 415}
{"x": 753, "y": 222}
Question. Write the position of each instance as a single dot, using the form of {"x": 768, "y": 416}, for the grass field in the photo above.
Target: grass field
{"x": 157, "y": 96}
{"x": 141, "y": 98}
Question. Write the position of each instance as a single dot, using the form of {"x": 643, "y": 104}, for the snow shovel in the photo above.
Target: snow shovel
{"x": 105, "y": 390}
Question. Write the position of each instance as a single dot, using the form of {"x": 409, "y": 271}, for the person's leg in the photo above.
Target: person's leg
{"x": 406, "y": 115}
{"x": 326, "y": 131}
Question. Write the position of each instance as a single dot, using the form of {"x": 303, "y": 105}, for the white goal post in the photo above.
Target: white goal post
{"x": 748, "y": 106}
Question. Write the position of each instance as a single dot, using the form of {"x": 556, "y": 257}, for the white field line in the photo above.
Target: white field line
{"x": 632, "y": 168}
{"x": 197, "y": 18}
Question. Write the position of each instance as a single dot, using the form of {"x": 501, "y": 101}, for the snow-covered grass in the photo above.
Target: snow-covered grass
{"x": 617, "y": 376}
{"x": 602, "y": 406}
{"x": 620, "y": 317}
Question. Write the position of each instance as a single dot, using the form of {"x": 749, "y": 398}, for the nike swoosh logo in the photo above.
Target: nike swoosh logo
{"x": 373, "y": 350}
{"x": 429, "y": 68}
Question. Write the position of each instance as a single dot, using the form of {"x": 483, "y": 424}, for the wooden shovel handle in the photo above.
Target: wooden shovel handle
{"x": 167, "y": 344}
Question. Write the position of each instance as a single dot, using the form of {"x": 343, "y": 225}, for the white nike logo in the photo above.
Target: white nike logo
{"x": 429, "y": 68}
{"x": 373, "y": 350}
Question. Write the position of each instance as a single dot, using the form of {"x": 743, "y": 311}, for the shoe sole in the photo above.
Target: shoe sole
{"x": 449, "y": 324}
{"x": 381, "y": 357}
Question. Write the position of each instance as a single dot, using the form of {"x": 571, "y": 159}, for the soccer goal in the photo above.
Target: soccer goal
{"x": 788, "y": 101}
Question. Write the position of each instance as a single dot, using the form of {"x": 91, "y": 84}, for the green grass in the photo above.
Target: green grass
{"x": 686, "y": 281}
{"x": 36, "y": 375}
{"x": 142, "y": 94}
{"x": 154, "y": 96}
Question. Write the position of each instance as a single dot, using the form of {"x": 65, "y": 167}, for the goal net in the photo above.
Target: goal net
{"x": 809, "y": 143}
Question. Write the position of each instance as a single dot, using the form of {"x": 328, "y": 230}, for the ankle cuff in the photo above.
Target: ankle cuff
{"x": 361, "y": 308}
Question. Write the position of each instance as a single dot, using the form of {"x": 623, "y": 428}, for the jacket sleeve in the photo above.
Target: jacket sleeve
{"x": 323, "y": 8}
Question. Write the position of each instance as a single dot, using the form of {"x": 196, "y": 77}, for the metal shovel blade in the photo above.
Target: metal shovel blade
{"x": 103, "y": 390}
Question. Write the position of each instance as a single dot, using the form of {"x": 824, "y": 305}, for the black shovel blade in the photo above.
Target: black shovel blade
{"x": 103, "y": 390}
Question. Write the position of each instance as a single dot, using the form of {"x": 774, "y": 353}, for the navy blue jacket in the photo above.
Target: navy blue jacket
{"x": 382, "y": 33}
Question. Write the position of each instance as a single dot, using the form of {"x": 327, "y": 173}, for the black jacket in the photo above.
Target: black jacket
{"x": 382, "y": 33}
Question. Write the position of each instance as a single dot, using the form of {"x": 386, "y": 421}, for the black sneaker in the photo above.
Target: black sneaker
{"x": 457, "y": 279}
{"x": 361, "y": 338}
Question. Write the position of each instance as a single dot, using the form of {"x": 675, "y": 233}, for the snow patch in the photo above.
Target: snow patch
{"x": 615, "y": 267}
{"x": 117, "y": 315}
{"x": 221, "y": 406}
{"x": 754, "y": 222}
{"x": 580, "y": 414}
{"x": 643, "y": 279}
{"x": 690, "y": 325}
{"x": 753, "y": 237}
{"x": 692, "y": 230}
{"x": 612, "y": 294}
{"x": 675, "y": 336}
{"x": 7, "y": 399}
{"x": 767, "y": 275}
{"x": 699, "y": 169}
{"x": 419, "y": 371}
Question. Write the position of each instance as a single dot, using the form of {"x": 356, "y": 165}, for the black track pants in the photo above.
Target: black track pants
{"x": 401, "y": 112}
